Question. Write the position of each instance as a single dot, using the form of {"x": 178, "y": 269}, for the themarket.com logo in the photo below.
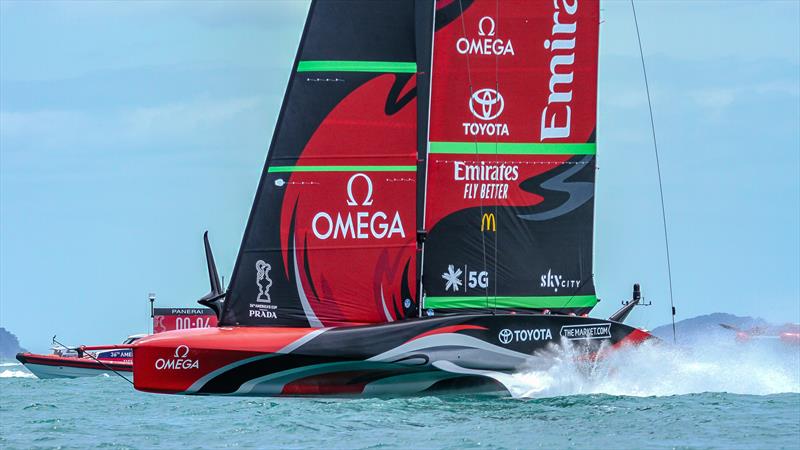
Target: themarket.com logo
{"x": 589, "y": 331}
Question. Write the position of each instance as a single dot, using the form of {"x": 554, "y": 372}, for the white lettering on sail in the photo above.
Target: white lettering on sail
{"x": 487, "y": 44}
{"x": 486, "y": 104}
{"x": 557, "y": 115}
{"x": 555, "y": 281}
{"x": 263, "y": 307}
{"x": 487, "y": 181}
{"x": 358, "y": 225}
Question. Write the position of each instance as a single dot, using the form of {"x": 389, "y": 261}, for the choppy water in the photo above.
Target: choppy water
{"x": 727, "y": 397}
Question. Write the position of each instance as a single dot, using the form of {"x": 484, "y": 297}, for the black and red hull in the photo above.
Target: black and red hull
{"x": 399, "y": 358}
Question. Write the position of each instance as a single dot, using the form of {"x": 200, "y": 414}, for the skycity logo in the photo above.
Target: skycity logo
{"x": 555, "y": 281}
{"x": 362, "y": 224}
{"x": 486, "y": 104}
{"x": 487, "y": 44}
{"x": 181, "y": 360}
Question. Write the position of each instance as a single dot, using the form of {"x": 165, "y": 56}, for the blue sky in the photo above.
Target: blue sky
{"x": 126, "y": 129}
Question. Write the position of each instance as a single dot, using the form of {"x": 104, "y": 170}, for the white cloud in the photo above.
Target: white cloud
{"x": 714, "y": 98}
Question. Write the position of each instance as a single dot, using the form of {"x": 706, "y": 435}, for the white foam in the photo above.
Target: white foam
{"x": 660, "y": 369}
{"x": 16, "y": 374}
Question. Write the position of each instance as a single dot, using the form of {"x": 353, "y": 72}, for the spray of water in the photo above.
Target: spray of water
{"x": 659, "y": 369}
{"x": 16, "y": 374}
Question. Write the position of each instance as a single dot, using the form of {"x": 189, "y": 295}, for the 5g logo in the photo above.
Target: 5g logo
{"x": 478, "y": 279}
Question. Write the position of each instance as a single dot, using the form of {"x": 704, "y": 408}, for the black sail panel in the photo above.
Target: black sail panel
{"x": 331, "y": 235}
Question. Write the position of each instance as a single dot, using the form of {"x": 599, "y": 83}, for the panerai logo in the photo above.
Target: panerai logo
{"x": 179, "y": 362}
{"x": 557, "y": 115}
{"x": 361, "y": 224}
{"x": 507, "y": 336}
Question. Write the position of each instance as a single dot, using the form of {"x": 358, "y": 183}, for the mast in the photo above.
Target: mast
{"x": 426, "y": 27}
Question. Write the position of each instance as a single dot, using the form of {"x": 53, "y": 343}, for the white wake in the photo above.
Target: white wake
{"x": 16, "y": 374}
{"x": 660, "y": 369}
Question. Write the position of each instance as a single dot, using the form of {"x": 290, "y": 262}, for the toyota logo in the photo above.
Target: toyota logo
{"x": 490, "y": 102}
{"x": 182, "y": 351}
{"x": 505, "y": 336}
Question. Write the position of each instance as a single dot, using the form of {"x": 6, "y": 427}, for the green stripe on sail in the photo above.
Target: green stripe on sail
{"x": 280, "y": 169}
{"x": 513, "y": 148}
{"x": 357, "y": 66}
{"x": 539, "y": 302}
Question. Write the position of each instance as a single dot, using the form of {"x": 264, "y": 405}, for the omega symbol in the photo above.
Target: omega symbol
{"x": 367, "y": 199}
{"x": 481, "y": 30}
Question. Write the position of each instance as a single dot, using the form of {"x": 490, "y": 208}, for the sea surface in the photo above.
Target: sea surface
{"x": 660, "y": 397}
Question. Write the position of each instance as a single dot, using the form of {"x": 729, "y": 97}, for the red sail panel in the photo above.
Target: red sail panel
{"x": 515, "y": 71}
{"x": 331, "y": 238}
{"x": 349, "y": 211}
{"x": 510, "y": 181}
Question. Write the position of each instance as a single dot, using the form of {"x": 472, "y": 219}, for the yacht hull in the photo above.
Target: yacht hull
{"x": 460, "y": 352}
{"x": 53, "y": 366}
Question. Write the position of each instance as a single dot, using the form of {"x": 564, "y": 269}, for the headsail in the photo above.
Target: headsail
{"x": 331, "y": 237}
{"x": 510, "y": 184}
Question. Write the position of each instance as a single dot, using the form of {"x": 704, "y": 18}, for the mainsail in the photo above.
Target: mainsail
{"x": 489, "y": 151}
{"x": 510, "y": 183}
{"x": 331, "y": 237}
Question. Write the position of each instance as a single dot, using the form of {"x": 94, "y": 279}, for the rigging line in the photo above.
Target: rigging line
{"x": 96, "y": 360}
{"x": 496, "y": 155}
{"x": 577, "y": 289}
{"x": 658, "y": 169}
{"x": 477, "y": 156}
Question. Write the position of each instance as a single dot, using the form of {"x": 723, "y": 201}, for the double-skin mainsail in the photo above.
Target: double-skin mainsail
{"x": 507, "y": 197}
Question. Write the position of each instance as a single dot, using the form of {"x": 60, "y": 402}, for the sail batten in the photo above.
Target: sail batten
{"x": 357, "y": 66}
{"x": 521, "y": 302}
{"x": 514, "y": 148}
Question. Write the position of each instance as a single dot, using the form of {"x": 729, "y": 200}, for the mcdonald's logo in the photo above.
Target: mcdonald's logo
{"x": 488, "y": 222}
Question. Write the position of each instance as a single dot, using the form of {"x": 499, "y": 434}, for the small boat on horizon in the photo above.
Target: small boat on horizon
{"x": 75, "y": 362}
{"x": 88, "y": 361}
